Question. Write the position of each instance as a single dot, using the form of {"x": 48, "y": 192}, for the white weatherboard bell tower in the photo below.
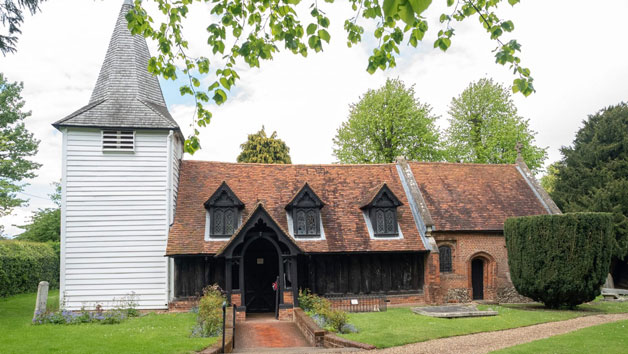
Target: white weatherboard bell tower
{"x": 121, "y": 157}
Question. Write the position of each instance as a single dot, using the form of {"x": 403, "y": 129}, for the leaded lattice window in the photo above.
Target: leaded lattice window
{"x": 305, "y": 209}
{"x": 223, "y": 208}
{"x": 382, "y": 212}
{"x": 223, "y": 221}
{"x": 384, "y": 221}
{"x": 306, "y": 222}
{"x": 301, "y": 228}
{"x": 445, "y": 259}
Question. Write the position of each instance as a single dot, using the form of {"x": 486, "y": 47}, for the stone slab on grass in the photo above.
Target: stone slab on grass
{"x": 452, "y": 311}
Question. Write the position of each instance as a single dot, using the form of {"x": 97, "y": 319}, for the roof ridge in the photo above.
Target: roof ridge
{"x": 354, "y": 165}
{"x": 292, "y": 164}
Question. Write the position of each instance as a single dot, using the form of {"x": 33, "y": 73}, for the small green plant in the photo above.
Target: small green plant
{"x": 310, "y": 302}
{"x": 320, "y": 309}
{"x": 336, "y": 320}
{"x": 210, "y": 312}
{"x": 125, "y": 308}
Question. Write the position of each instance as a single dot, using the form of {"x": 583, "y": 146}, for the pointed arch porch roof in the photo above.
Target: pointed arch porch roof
{"x": 258, "y": 212}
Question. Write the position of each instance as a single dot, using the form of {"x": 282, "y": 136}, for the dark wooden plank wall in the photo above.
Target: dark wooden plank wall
{"x": 379, "y": 273}
{"x": 192, "y": 274}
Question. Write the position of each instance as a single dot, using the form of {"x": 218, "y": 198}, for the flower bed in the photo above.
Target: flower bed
{"x": 321, "y": 311}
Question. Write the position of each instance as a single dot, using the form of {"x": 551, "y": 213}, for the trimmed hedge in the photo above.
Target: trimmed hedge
{"x": 559, "y": 260}
{"x": 24, "y": 264}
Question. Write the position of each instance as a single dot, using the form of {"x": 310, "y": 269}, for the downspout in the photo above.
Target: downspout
{"x": 64, "y": 208}
{"x": 169, "y": 262}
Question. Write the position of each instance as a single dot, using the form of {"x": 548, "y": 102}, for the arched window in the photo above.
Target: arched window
{"x": 301, "y": 229}
{"x": 223, "y": 208}
{"x": 382, "y": 212}
{"x": 445, "y": 259}
{"x": 305, "y": 209}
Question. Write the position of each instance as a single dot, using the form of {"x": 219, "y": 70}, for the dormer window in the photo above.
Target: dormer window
{"x": 382, "y": 212}
{"x": 305, "y": 212}
{"x": 223, "y": 209}
{"x": 118, "y": 140}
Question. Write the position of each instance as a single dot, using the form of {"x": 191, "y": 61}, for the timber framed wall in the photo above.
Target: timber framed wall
{"x": 389, "y": 273}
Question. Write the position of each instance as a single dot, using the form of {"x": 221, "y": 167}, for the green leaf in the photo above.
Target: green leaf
{"x": 324, "y": 35}
{"x": 311, "y": 28}
{"x": 450, "y": 2}
{"x": 420, "y": 5}
{"x": 390, "y": 7}
{"x": 513, "y": 2}
{"x": 406, "y": 13}
{"x": 508, "y": 26}
{"x": 220, "y": 96}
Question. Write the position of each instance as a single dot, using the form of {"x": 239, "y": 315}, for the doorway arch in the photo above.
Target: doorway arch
{"x": 482, "y": 276}
{"x": 477, "y": 278}
{"x": 261, "y": 269}
{"x": 246, "y": 281}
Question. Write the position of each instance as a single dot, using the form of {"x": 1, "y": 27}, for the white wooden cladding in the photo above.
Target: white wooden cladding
{"x": 115, "y": 216}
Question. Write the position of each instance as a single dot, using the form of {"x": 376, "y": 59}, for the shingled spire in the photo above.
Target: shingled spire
{"x": 126, "y": 95}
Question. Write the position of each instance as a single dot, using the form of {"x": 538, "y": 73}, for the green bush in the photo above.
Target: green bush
{"x": 210, "y": 311}
{"x": 317, "y": 307}
{"x": 24, "y": 264}
{"x": 559, "y": 260}
{"x": 310, "y": 302}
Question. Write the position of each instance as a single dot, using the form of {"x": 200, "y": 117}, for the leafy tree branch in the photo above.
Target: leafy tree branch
{"x": 253, "y": 30}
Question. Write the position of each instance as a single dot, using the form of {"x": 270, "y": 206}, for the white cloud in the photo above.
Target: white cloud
{"x": 575, "y": 51}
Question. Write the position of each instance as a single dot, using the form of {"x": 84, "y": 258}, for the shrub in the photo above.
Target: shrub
{"x": 24, "y": 264}
{"x": 336, "y": 319}
{"x": 321, "y": 311}
{"x": 210, "y": 311}
{"x": 559, "y": 260}
{"x": 310, "y": 302}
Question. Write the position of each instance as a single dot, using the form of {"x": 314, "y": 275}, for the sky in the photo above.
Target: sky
{"x": 575, "y": 49}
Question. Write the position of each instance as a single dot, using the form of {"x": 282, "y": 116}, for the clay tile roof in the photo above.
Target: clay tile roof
{"x": 342, "y": 187}
{"x": 474, "y": 197}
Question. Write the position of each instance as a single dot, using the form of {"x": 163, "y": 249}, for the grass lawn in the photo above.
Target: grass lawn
{"x": 152, "y": 333}
{"x": 399, "y": 326}
{"x": 609, "y": 338}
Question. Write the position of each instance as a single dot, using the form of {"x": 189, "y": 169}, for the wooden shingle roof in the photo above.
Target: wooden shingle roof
{"x": 126, "y": 95}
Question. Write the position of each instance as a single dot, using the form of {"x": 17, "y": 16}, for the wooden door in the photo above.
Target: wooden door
{"x": 477, "y": 278}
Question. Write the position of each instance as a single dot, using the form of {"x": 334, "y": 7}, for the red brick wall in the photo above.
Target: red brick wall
{"x": 236, "y": 299}
{"x": 286, "y": 314}
{"x": 491, "y": 247}
{"x": 287, "y": 297}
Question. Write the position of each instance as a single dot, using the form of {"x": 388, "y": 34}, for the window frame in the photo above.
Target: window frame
{"x": 375, "y": 222}
{"x": 222, "y": 201}
{"x": 317, "y": 221}
{"x": 308, "y": 202}
{"x": 451, "y": 259}
{"x": 213, "y": 218}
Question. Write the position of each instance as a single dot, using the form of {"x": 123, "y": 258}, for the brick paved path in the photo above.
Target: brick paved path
{"x": 266, "y": 332}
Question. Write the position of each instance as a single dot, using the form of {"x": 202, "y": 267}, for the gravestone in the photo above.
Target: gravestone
{"x": 42, "y": 298}
{"x": 610, "y": 284}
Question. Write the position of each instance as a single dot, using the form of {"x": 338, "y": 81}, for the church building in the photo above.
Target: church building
{"x": 139, "y": 219}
